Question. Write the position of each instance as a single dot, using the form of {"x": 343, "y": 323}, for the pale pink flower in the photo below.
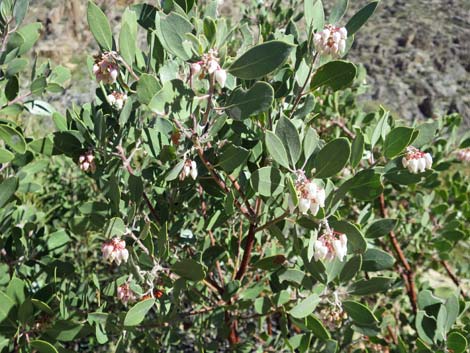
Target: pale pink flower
{"x": 125, "y": 293}
{"x": 115, "y": 250}
{"x": 416, "y": 161}
{"x": 331, "y": 40}
{"x": 329, "y": 245}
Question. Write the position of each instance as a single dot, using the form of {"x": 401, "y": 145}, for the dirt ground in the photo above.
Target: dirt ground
{"x": 417, "y": 53}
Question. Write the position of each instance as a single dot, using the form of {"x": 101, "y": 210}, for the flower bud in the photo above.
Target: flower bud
{"x": 221, "y": 77}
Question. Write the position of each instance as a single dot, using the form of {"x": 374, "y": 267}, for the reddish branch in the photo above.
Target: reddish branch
{"x": 453, "y": 277}
{"x": 408, "y": 273}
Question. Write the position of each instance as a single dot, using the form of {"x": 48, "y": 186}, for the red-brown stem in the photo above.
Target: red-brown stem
{"x": 250, "y": 241}
{"x": 221, "y": 183}
{"x": 408, "y": 271}
{"x": 454, "y": 278}
{"x": 344, "y": 128}
{"x": 232, "y": 336}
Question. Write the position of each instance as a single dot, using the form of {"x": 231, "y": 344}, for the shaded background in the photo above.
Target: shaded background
{"x": 416, "y": 52}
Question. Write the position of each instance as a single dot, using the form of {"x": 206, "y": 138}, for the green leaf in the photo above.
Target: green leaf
{"x": 147, "y": 87}
{"x": 426, "y": 133}
{"x": 351, "y": 268}
{"x": 6, "y": 156}
{"x": 356, "y": 241}
{"x": 15, "y": 66}
{"x": 6, "y": 304}
{"x": 19, "y": 11}
{"x": 360, "y": 313}
{"x": 244, "y": 103}
{"x": 357, "y": 149}
{"x": 289, "y": 136}
{"x": 377, "y": 260}
{"x": 314, "y": 14}
{"x": 99, "y": 26}
{"x": 189, "y": 269}
{"x": 311, "y": 140}
{"x": 292, "y": 190}
{"x": 13, "y": 138}
{"x": 380, "y": 228}
{"x": 43, "y": 346}
{"x": 381, "y": 129}
{"x": 127, "y": 43}
{"x": 115, "y": 227}
{"x": 361, "y": 17}
{"x": 137, "y": 313}
{"x": 316, "y": 326}
{"x": 337, "y": 74}
{"x": 332, "y": 158}
{"x": 12, "y": 88}
{"x": 456, "y": 342}
{"x": 370, "y": 286}
{"x": 261, "y": 60}
{"x": 338, "y": 11}
{"x": 267, "y": 181}
{"x": 270, "y": 263}
{"x": 171, "y": 31}
{"x": 8, "y": 188}
{"x": 425, "y": 326}
{"x": 276, "y": 149}
{"x": 232, "y": 157}
{"x": 397, "y": 140}
{"x": 305, "y": 307}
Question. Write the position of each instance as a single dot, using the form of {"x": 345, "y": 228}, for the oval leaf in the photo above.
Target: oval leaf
{"x": 336, "y": 75}
{"x": 276, "y": 149}
{"x": 137, "y": 313}
{"x": 261, "y": 60}
{"x": 244, "y": 103}
{"x": 99, "y": 26}
{"x": 332, "y": 158}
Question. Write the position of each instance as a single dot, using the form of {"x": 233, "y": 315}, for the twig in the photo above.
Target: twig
{"x": 273, "y": 221}
{"x": 221, "y": 183}
{"x": 453, "y": 277}
{"x": 300, "y": 94}
{"x": 248, "y": 246}
{"x": 126, "y": 164}
{"x": 344, "y": 128}
{"x": 408, "y": 273}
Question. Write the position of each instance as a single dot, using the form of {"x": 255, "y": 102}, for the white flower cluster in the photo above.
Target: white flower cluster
{"x": 105, "y": 69}
{"x": 463, "y": 155}
{"x": 209, "y": 65}
{"x": 329, "y": 245}
{"x": 125, "y": 293}
{"x": 87, "y": 162}
{"x": 416, "y": 161}
{"x": 331, "y": 40}
{"x": 311, "y": 196}
{"x": 117, "y": 99}
{"x": 189, "y": 169}
{"x": 115, "y": 250}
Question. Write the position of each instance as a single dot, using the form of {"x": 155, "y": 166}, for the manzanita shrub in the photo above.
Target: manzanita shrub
{"x": 225, "y": 191}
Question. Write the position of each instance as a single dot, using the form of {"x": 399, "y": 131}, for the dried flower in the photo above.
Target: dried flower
{"x": 125, "y": 293}
{"x": 87, "y": 162}
{"x": 105, "y": 69}
{"x": 463, "y": 155}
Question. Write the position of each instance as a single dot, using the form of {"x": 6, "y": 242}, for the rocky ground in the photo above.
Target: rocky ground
{"x": 417, "y": 53}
